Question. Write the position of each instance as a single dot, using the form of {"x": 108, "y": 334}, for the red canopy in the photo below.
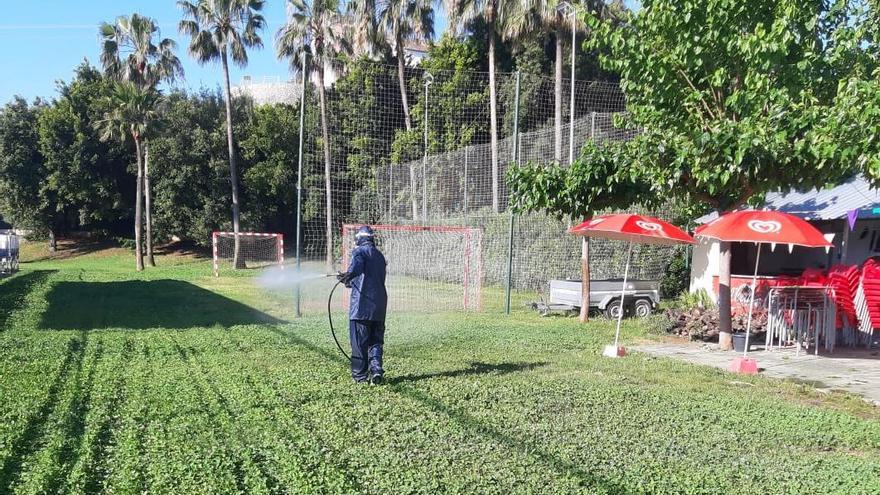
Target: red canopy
{"x": 633, "y": 228}
{"x": 771, "y": 227}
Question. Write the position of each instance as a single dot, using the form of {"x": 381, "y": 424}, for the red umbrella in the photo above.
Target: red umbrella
{"x": 762, "y": 227}
{"x": 769, "y": 227}
{"x": 631, "y": 228}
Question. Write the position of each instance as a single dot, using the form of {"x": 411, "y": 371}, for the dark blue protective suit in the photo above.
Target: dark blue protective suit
{"x": 367, "y": 307}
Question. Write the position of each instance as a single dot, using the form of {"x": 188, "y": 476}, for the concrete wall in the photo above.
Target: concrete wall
{"x": 704, "y": 266}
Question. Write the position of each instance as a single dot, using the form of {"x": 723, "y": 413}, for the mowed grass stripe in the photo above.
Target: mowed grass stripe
{"x": 236, "y": 399}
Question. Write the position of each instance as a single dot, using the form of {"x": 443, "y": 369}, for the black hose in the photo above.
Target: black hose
{"x": 330, "y": 319}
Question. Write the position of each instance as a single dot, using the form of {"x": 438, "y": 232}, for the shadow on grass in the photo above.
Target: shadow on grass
{"x": 72, "y": 248}
{"x": 474, "y": 369}
{"x": 476, "y": 427}
{"x": 140, "y": 305}
{"x": 15, "y": 290}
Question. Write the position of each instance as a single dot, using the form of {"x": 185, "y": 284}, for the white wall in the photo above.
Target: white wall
{"x": 704, "y": 266}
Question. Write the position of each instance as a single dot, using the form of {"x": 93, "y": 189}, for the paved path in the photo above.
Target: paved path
{"x": 852, "y": 370}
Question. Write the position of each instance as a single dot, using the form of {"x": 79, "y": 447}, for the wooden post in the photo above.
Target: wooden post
{"x": 844, "y": 243}
{"x": 725, "y": 338}
{"x": 585, "y": 280}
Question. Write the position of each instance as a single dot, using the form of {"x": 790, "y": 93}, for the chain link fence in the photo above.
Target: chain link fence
{"x": 431, "y": 161}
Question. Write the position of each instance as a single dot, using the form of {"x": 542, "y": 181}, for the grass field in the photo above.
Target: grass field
{"x": 172, "y": 381}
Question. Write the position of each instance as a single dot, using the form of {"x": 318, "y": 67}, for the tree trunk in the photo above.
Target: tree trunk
{"x": 325, "y": 134}
{"x": 493, "y": 122}
{"x": 238, "y": 261}
{"x": 138, "y": 213}
{"x": 557, "y": 94}
{"x": 53, "y": 245}
{"x": 725, "y": 339}
{"x": 401, "y": 77}
{"x": 585, "y": 280}
{"x": 148, "y": 209}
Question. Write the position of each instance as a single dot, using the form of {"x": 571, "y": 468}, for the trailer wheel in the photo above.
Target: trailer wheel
{"x": 643, "y": 308}
{"x": 612, "y": 310}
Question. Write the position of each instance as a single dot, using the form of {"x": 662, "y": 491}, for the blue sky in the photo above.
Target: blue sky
{"x": 41, "y": 41}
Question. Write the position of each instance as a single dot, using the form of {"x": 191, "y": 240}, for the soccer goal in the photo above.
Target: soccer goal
{"x": 256, "y": 249}
{"x": 430, "y": 267}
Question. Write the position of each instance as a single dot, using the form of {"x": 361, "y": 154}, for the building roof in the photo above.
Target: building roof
{"x": 821, "y": 204}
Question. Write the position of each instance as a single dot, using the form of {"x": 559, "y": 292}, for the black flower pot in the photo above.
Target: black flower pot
{"x": 739, "y": 342}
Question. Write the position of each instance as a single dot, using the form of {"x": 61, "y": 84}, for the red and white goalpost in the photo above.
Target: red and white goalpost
{"x": 256, "y": 249}
{"x": 430, "y": 267}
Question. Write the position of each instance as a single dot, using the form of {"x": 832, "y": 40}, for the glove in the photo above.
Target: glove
{"x": 345, "y": 278}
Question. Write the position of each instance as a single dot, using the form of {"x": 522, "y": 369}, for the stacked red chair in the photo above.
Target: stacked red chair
{"x": 844, "y": 282}
{"x": 814, "y": 277}
{"x": 868, "y": 300}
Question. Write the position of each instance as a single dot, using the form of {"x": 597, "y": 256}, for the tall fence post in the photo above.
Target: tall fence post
{"x": 465, "y": 181}
{"x": 593, "y": 127}
{"x": 428, "y": 80}
{"x": 299, "y": 174}
{"x": 509, "y": 209}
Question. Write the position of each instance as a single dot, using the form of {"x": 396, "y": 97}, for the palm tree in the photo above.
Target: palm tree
{"x": 319, "y": 31}
{"x": 129, "y": 110}
{"x": 399, "y": 22}
{"x": 219, "y": 29}
{"x": 493, "y": 13}
{"x": 128, "y": 53}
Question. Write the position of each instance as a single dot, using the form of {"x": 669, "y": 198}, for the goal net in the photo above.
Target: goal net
{"x": 430, "y": 268}
{"x": 256, "y": 250}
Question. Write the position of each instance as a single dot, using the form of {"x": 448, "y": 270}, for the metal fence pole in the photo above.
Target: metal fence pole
{"x": 593, "y": 127}
{"x": 571, "y": 117}
{"x": 299, "y": 174}
{"x": 428, "y": 80}
{"x": 510, "y": 211}
{"x": 465, "y": 181}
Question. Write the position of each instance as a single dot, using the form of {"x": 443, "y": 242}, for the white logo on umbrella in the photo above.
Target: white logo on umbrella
{"x": 649, "y": 226}
{"x": 765, "y": 227}
{"x": 595, "y": 221}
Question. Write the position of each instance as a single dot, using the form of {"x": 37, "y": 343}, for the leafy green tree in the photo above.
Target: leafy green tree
{"x": 128, "y": 53}
{"x": 23, "y": 198}
{"x": 725, "y": 96}
{"x": 319, "y": 31}
{"x": 130, "y": 109}
{"x": 220, "y": 29}
{"x": 269, "y": 148}
{"x": 190, "y": 187}
{"x": 84, "y": 178}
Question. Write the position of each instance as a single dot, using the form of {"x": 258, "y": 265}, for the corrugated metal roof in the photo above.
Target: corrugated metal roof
{"x": 822, "y": 204}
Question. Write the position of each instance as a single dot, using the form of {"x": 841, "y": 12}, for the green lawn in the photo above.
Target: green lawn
{"x": 172, "y": 381}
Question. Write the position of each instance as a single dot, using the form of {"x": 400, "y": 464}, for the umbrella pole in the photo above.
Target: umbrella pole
{"x": 752, "y": 301}
{"x": 623, "y": 294}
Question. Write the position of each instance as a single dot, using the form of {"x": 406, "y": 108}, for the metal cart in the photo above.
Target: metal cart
{"x": 8, "y": 253}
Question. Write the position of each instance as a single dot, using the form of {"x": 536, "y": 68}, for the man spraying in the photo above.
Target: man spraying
{"x": 369, "y": 301}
